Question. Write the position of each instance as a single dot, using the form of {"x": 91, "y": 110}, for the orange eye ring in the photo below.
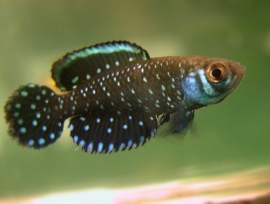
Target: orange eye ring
{"x": 216, "y": 72}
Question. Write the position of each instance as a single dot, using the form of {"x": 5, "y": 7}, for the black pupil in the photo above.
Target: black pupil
{"x": 216, "y": 73}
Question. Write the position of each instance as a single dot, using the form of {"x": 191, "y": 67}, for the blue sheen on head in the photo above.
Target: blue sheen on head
{"x": 198, "y": 91}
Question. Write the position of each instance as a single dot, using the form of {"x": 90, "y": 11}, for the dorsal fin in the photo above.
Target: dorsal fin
{"x": 81, "y": 65}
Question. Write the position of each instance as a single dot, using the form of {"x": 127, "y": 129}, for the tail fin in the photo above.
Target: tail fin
{"x": 31, "y": 113}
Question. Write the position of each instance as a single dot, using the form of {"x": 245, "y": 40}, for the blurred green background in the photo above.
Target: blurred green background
{"x": 233, "y": 135}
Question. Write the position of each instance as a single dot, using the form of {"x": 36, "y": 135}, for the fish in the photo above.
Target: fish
{"x": 117, "y": 97}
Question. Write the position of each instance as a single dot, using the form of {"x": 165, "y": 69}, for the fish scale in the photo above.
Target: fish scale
{"x": 144, "y": 83}
{"x": 114, "y": 93}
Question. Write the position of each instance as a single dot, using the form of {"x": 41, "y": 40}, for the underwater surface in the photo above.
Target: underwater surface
{"x": 232, "y": 136}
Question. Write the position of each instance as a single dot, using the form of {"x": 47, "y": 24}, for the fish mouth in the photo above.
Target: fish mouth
{"x": 242, "y": 70}
{"x": 239, "y": 71}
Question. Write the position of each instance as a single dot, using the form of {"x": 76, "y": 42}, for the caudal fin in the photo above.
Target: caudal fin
{"x": 31, "y": 113}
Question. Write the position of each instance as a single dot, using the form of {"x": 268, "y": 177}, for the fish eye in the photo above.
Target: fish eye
{"x": 216, "y": 72}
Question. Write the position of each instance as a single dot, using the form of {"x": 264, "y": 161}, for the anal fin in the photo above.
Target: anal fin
{"x": 111, "y": 134}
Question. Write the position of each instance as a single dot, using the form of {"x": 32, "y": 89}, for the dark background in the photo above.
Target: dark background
{"x": 233, "y": 135}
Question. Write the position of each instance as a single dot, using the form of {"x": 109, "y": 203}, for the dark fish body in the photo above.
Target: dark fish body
{"x": 114, "y": 92}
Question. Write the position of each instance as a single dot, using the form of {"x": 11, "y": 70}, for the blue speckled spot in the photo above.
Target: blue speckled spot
{"x": 121, "y": 146}
{"x": 24, "y": 93}
{"x": 34, "y": 123}
{"x": 31, "y": 85}
{"x": 90, "y": 147}
{"x": 44, "y": 92}
{"x": 75, "y": 138}
{"x": 110, "y": 148}
{"x": 129, "y": 144}
{"x": 109, "y": 130}
{"x": 18, "y": 105}
{"x": 41, "y": 141}
{"x": 71, "y": 127}
{"x": 44, "y": 128}
{"x": 141, "y": 139}
{"x": 86, "y": 127}
{"x": 82, "y": 143}
{"x": 100, "y": 147}
{"x": 20, "y": 121}
{"x": 38, "y": 115}
{"x": 30, "y": 143}
{"x": 52, "y": 136}
{"x": 75, "y": 79}
{"x": 23, "y": 130}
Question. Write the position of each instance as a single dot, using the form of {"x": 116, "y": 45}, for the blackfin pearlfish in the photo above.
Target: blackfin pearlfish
{"x": 114, "y": 92}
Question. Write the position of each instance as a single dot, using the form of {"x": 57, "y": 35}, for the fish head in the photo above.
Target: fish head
{"x": 209, "y": 80}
